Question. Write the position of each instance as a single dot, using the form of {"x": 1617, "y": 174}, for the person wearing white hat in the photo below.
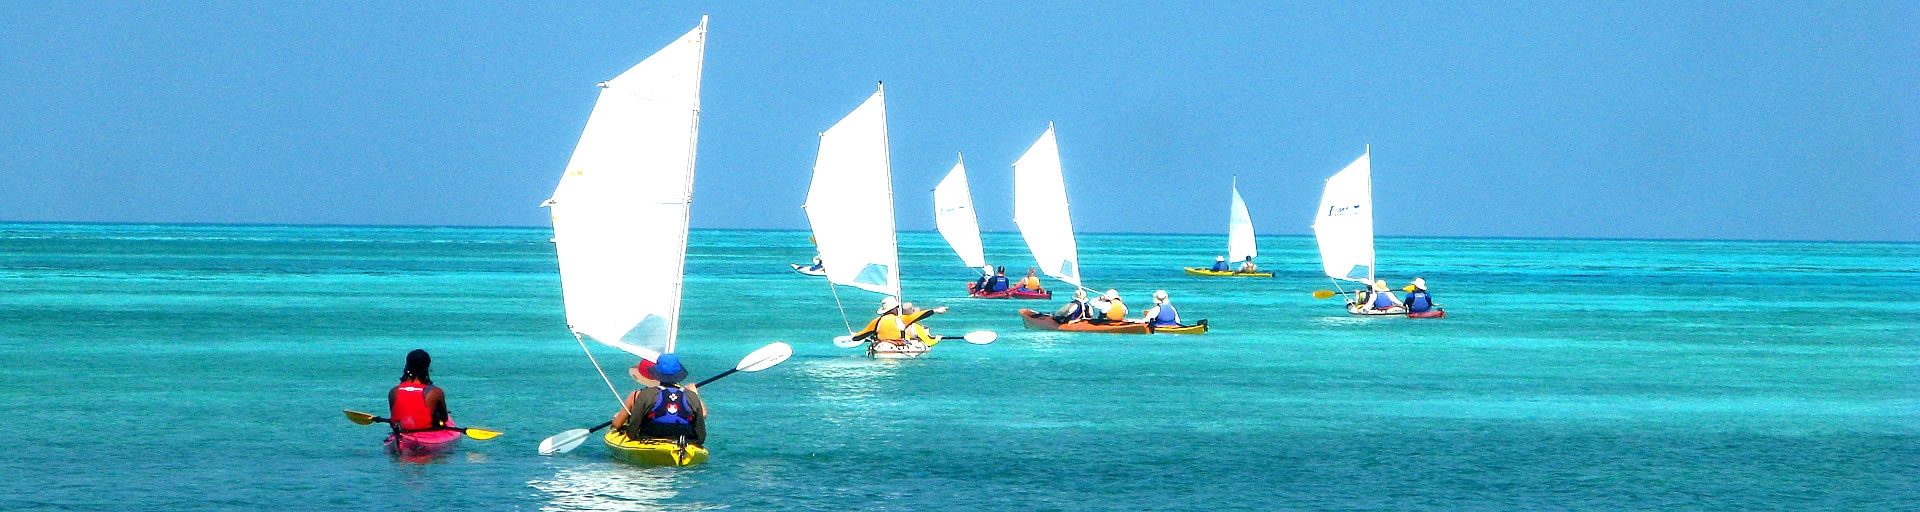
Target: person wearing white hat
{"x": 1109, "y": 307}
{"x": 1219, "y": 263}
{"x": 1162, "y": 313}
{"x": 894, "y": 321}
{"x": 1418, "y": 300}
{"x": 1076, "y": 309}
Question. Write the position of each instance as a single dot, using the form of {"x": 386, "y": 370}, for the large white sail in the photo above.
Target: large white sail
{"x": 1239, "y": 230}
{"x": 953, "y": 216}
{"x": 620, "y": 212}
{"x": 1344, "y": 225}
{"x": 850, "y": 203}
{"x": 1040, "y": 209}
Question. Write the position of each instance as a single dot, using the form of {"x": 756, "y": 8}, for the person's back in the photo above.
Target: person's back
{"x": 1030, "y": 283}
{"x": 668, "y": 412}
{"x": 1162, "y": 313}
{"x": 415, "y": 404}
{"x": 1118, "y": 312}
{"x": 1384, "y": 299}
{"x": 1220, "y": 264}
{"x": 999, "y": 284}
{"x": 1069, "y": 312}
{"x": 1418, "y": 301}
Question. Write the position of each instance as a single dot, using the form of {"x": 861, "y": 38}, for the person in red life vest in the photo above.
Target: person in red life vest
{"x": 663, "y": 409}
{"x": 416, "y": 404}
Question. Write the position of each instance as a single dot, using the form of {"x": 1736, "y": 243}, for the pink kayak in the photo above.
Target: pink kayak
{"x": 423, "y": 443}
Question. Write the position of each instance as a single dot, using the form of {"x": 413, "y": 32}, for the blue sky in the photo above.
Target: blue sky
{"x": 1640, "y": 120}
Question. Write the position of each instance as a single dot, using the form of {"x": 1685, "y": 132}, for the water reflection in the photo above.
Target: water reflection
{"x": 611, "y": 486}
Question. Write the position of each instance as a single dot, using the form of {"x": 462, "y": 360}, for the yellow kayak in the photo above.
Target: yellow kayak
{"x": 1197, "y": 271}
{"x": 653, "y": 452}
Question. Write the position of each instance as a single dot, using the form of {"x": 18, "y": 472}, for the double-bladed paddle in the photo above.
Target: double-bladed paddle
{"x": 762, "y": 359}
{"x": 975, "y": 337}
{"x": 369, "y": 419}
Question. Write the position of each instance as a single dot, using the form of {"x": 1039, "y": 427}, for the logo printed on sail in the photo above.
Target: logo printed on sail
{"x": 1336, "y": 211}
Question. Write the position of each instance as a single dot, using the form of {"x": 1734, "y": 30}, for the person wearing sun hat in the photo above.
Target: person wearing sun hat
{"x": 894, "y": 322}
{"x": 1162, "y": 313}
{"x": 1418, "y": 300}
{"x": 1219, "y": 263}
{"x": 1076, "y": 309}
{"x": 1109, "y": 308}
{"x": 662, "y": 409}
{"x": 1382, "y": 297}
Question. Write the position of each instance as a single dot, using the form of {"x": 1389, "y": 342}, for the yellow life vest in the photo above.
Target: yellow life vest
{"x": 1118, "y": 312}
{"x": 1030, "y": 283}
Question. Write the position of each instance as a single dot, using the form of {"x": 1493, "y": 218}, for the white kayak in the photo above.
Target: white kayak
{"x": 808, "y": 269}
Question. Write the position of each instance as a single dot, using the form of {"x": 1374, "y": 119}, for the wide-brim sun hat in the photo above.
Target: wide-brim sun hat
{"x": 1420, "y": 283}
{"x": 1380, "y": 285}
{"x": 1219, "y": 258}
{"x": 643, "y": 373}
{"x": 1111, "y": 295}
{"x": 1160, "y": 296}
{"x": 887, "y": 304}
{"x": 668, "y": 370}
{"x": 1079, "y": 295}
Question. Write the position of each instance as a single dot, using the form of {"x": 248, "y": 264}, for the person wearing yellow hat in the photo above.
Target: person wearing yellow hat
{"x": 1381, "y": 297}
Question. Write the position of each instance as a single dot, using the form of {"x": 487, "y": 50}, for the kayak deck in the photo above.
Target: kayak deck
{"x": 414, "y": 444}
{"x": 807, "y": 269}
{"x": 1044, "y": 322}
{"x": 653, "y": 452}
{"x": 1197, "y": 271}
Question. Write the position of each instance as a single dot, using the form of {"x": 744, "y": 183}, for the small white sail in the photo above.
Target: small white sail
{"x": 850, "y": 203}
{"x": 620, "y": 211}
{"x": 1040, "y": 209}
{"x": 953, "y": 216}
{"x": 1239, "y": 230}
{"x": 1344, "y": 224}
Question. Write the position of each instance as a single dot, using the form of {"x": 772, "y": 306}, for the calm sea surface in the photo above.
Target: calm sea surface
{"x": 205, "y": 367}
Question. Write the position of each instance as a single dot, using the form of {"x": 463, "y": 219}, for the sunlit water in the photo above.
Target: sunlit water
{"x": 183, "y": 367}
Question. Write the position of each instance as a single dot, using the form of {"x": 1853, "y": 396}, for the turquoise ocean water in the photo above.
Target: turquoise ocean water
{"x": 205, "y": 367}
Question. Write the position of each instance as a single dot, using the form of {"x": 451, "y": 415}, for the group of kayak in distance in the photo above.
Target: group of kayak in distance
{"x": 993, "y": 284}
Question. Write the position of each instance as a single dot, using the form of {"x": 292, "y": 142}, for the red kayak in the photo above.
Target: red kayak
{"x": 1009, "y": 294}
{"x": 1431, "y": 313}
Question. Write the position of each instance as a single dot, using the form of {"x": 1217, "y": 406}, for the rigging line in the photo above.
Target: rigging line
{"x": 603, "y": 374}
{"x": 843, "y": 309}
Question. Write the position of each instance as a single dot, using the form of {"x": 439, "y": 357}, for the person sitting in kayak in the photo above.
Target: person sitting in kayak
{"x": 817, "y": 264}
{"x": 1109, "y": 308}
{"x": 416, "y": 405}
{"x": 1162, "y": 313}
{"x": 1418, "y": 300}
{"x": 1076, "y": 309}
{"x": 1247, "y": 266}
{"x": 999, "y": 282}
{"x": 986, "y": 278}
{"x": 662, "y": 409}
{"x": 895, "y": 322}
{"x": 1219, "y": 264}
{"x": 1382, "y": 298}
{"x": 1031, "y": 283}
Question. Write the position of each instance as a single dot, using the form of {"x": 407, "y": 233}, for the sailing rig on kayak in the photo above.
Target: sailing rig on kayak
{"x": 1343, "y": 228}
{"x": 850, "y": 207}
{"x": 1240, "y": 245}
{"x": 954, "y": 218}
{"x": 620, "y": 212}
{"x": 1040, "y": 210}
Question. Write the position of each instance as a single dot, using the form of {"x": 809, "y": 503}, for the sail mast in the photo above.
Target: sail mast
{"x": 686, "y": 206}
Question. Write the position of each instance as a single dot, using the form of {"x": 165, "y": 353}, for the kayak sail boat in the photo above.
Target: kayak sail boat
{"x": 954, "y": 217}
{"x": 850, "y": 206}
{"x": 620, "y": 216}
{"x": 1239, "y": 240}
{"x": 1344, "y": 230}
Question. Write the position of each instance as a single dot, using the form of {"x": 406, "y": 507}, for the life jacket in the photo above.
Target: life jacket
{"x": 670, "y": 415}
{"x": 1382, "y": 300}
{"x": 1219, "y": 266}
{"x": 1118, "y": 312}
{"x": 410, "y": 412}
{"x": 998, "y": 284}
{"x": 1166, "y": 316}
{"x": 1418, "y": 301}
{"x": 1074, "y": 310}
{"x": 890, "y": 327}
{"x": 1030, "y": 283}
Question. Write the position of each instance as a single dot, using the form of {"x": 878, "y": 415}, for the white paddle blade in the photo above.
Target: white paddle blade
{"x": 564, "y": 442}
{"x": 765, "y": 358}
{"x": 981, "y": 337}
{"x": 845, "y": 342}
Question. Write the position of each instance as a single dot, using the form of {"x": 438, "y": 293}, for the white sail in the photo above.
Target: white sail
{"x": 1344, "y": 225}
{"x": 1239, "y": 230}
{"x": 850, "y": 203}
{"x": 620, "y": 211}
{"x": 1040, "y": 209}
{"x": 953, "y": 216}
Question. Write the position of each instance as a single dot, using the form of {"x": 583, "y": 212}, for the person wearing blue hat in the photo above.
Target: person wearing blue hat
{"x": 663, "y": 409}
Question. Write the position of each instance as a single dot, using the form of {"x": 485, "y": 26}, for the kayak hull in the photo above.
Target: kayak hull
{"x": 1356, "y": 309}
{"x": 1431, "y": 313}
{"x": 908, "y": 349}
{"x": 807, "y": 269}
{"x": 1197, "y": 271}
{"x": 415, "y": 444}
{"x": 1009, "y": 294}
{"x": 653, "y": 452}
{"x": 1044, "y": 322}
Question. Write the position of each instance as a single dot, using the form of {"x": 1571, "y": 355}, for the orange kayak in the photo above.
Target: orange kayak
{"x": 1044, "y": 322}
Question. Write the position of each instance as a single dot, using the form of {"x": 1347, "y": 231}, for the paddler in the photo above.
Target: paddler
{"x": 1162, "y": 313}
{"x": 1418, "y": 301}
{"x": 986, "y": 278}
{"x": 1219, "y": 263}
{"x": 1381, "y": 298}
{"x": 1247, "y": 266}
{"x": 895, "y": 322}
{"x": 1109, "y": 308}
{"x": 1031, "y": 283}
{"x": 1077, "y": 309}
{"x": 416, "y": 404}
{"x": 999, "y": 281}
{"x": 662, "y": 409}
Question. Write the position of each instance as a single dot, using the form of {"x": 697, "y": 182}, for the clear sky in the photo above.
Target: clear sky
{"x": 1752, "y": 120}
